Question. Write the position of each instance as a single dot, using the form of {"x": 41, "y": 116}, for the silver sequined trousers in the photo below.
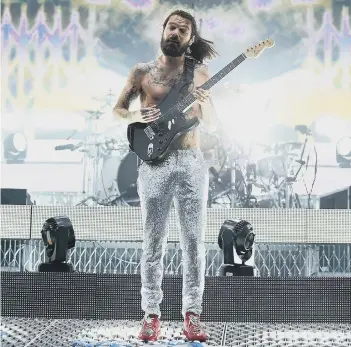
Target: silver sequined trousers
{"x": 182, "y": 178}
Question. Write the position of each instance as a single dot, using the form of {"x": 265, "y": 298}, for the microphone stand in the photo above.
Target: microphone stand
{"x": 232, "y": 165}
{"x": 289, "y": 181}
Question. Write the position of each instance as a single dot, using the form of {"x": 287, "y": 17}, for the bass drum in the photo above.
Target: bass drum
{"x": 118, "y": 181}
{"x": 127, "y": 176}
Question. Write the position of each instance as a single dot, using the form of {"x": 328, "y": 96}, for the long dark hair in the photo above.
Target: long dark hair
{"x": 201, "y": 49}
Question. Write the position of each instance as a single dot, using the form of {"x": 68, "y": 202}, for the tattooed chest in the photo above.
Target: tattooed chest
{"x": 159, "y": 77}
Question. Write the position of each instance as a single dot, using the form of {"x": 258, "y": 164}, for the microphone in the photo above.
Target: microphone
{"x": 63, "y": 147}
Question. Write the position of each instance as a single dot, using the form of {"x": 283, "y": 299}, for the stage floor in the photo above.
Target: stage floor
{"x": 88, "y": 333}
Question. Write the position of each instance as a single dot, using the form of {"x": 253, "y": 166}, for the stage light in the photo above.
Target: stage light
{"x": 343, "y": 152}
{"x": 15, "y": 148}
{"x": 58, "y": 237}
{"x": 238, "y": 235}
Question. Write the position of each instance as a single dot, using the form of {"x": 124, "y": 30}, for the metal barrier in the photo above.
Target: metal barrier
{"x": 270, "y": 260}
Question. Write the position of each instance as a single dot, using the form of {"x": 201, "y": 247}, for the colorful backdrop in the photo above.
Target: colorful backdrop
{"x": 60, "y": 59}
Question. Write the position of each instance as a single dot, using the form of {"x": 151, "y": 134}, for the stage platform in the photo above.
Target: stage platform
{"x": 287, "y": 304}
{"x": 60, "y": 309}
{"x": 22, "y": 332}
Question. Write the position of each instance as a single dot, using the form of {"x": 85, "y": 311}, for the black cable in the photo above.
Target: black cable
{"x": 315, "y": 176}
{"x": 303, "y": 179}
{"x": 226, "y": 156}
{"x": 102, "y": 181}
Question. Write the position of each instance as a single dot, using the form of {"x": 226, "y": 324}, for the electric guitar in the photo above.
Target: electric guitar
{"x": 151, "y": 142}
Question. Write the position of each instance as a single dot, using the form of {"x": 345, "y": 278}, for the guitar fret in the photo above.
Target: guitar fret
{"x": 187, "y": 101}
{"x": 190, "y": 99}
{"x": 212, "y": 81}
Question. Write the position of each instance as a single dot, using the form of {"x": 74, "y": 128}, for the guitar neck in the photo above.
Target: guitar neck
{"x": 190, "y": 99}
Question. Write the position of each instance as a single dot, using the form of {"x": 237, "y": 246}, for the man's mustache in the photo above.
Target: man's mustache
{"x": 173, "y": 41}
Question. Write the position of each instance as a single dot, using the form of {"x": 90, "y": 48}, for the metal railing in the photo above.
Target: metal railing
{"x": 270, "y": 260}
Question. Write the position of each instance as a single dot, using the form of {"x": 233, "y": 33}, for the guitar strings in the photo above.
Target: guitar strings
{"x": 179, "y": 103}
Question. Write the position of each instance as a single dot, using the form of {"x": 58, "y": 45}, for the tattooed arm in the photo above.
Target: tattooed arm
{"x": 129, "y": 93}
{"x": 208, "y": 114}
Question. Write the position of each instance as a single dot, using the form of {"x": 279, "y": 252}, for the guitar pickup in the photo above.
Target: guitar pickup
{"x": 149, "y": 133}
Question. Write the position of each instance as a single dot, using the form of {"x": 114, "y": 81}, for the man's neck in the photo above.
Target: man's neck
{"x": 172, "y": 62}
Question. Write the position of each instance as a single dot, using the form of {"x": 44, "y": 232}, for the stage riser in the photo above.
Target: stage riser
{"x": 226, "y": 299}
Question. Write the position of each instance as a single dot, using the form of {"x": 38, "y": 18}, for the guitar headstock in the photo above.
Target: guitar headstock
{"x": 255, "y": 51}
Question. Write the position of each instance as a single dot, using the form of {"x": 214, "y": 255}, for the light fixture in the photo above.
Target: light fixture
{"x": 239, "y": 235}
{"x": 15, "y": 148}
{"x": 343, "y": 151}
{"x": 58, "y": 237}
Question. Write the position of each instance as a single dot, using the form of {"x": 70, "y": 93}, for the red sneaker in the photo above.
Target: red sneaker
{"x": 151, "y": 329}
{"x": 193, "y": 330}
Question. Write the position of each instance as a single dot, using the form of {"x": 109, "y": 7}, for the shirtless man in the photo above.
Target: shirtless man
{"x": 182, "y": 176}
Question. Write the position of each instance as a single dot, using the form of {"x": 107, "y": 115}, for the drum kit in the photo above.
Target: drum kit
{"x": 261, "y": 176}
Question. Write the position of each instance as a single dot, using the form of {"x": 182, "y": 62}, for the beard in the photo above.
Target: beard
{"x": 172, "y": 48}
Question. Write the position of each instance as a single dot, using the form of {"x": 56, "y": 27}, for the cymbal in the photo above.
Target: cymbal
{"x": 107, "y": 98}
{"x": 104, "y": 98}
{"x": 264, "y": 146}
{"x": 293, "y": 144}
{"x": 95, "y": 112}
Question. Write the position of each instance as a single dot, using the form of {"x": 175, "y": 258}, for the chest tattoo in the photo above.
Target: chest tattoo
{"x": 160, "y": 77}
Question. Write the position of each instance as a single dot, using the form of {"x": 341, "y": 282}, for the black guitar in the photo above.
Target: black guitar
{"x": 151, "y": 142}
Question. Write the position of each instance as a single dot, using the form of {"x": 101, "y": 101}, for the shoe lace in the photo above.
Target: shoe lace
{"x": 195, "y": 323}
{"x": 148, "y": 323}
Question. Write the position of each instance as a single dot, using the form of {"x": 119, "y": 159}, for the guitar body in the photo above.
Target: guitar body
{"x": 152, "y": 142}
{"x": 154, "y": 145}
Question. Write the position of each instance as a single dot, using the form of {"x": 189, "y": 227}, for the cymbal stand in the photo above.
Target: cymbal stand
{"x": 287, "y": 185}
{"x": 84, "y": 188}
{"x": 92, "y": 156}
{"x": 232, "y": 194}
{"x": 235, "y": 167}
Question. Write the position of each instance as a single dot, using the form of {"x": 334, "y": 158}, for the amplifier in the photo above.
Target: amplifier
{"x": 10, "y": 196}
{"x": 340, "y": 199}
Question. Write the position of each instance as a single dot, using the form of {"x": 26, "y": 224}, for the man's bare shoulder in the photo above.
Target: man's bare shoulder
{"x": 201, "y": 68}
{"x": 142, "y": 68}
{"x": 202, "y": 72}
{"x": 138, "y": 72}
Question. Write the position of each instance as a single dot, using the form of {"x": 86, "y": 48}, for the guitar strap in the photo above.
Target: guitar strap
{"x": 181, "y": 87}
{"x": 189, "y": 70}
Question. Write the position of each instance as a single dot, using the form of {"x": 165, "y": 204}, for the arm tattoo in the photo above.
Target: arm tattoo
{"x": 133, "y": 90}
{"x": 130, "y": 92}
